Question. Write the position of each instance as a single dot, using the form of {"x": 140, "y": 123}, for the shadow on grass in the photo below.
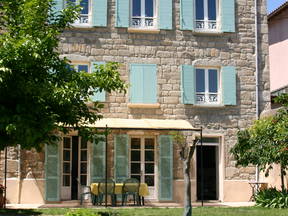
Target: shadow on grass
{"x": 18, "y": 212}
{"x": 108, "y": 213}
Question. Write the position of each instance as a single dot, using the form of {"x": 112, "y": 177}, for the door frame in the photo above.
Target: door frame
{"x": 142, "y": 155}
{"x": 220, "y": 170}
{"x": 67, "y": 190}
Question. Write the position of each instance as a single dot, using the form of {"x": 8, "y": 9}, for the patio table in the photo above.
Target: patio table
{"x": 143, "y": 189}
{"x": 256, "y": 187}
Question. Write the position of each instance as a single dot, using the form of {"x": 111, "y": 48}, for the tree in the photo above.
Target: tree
{"x": 39, "y": 93}
{"x": 266, "y": 142}
{"x": 186, "y": 152}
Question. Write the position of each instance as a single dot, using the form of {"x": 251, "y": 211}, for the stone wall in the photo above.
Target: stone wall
{"x": 32, "y": 163}
{"x": 169, "y": 50}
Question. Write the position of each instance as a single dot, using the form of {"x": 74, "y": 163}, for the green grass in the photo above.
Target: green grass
{"x": 206, "y": 211}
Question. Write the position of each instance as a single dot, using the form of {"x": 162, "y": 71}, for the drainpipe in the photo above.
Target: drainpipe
{"x": 256, "y": 73}
{"x": 19, "y": 175}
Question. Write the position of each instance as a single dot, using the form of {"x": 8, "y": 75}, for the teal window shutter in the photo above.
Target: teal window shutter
{"x": 165, "y": 168}
{"x": 99, "y": 12}
{"x": 121, "y": 168}
{"x": 58, "y": 5}
{"x": 98, "y": 96}
{"x": 165, "y": 14}
{"x": 122, "y": 13}
{"x": 188, "y": 84}
{"x": 52, "y": 173}
{"x": 229, "y": 85}
{"x": 143, "y": 83}
{"x": 98, "y": 159}
{"x": 227, "y": 15}
{"x": 187, "y": 15}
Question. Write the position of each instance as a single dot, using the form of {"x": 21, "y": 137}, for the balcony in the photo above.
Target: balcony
{"x": 207, "y": 98}
{"x": 207, "y": 25}
{"x": 143, "y": 22}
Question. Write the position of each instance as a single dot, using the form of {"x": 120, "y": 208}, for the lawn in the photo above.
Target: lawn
{"x": 206, "y": 211}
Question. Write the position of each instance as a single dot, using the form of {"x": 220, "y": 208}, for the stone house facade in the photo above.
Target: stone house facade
{"x": 186, "y": 61}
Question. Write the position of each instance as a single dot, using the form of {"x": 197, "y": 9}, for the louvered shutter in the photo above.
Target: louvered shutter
{"x": 188, "y": 84}
{"x": 122, "y": 13}
{"x": 228, "y": 74}
{"x": 121, "y": 168}
{"x": 165, "y": 14}
{"x": 187, "y": 15}
{"x": 143, "y": 83}
{"x": 98, "y": 159}
{"x": 99, "y": 13}
{"x": 52, "y": 173}
{"x": 227, "y": 15}
{"x": 165, "y": 168}
{"x": 98, "y": 96}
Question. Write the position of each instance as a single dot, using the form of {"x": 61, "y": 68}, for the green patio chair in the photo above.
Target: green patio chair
{"x": 110, "y": 191}
{"x": 131, "y": 187}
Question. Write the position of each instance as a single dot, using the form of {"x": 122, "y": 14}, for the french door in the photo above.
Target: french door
{"x": 143, "y": 162}
{"x": 74, "y": 167}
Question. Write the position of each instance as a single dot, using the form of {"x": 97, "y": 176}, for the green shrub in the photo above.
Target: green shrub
{"x": 81, "y": 212}
{"x": 272, "y": 198}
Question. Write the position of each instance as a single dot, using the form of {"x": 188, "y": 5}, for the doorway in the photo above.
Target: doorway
{"x": 143, "y": 162}
{"x": 210, "y": 169}
{"x": 74, "y": 167}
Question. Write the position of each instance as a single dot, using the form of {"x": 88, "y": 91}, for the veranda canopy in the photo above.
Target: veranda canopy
{"x": 143, "y": 124}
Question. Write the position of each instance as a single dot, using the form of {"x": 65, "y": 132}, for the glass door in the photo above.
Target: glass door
{"x": 143, "y": 163}
{"x": 66, "y": 168}
{"x": 74, "y": 167}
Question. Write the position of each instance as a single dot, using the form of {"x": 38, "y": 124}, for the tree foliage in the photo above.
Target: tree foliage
{"x": 265, "y": 142}
{"x": 39, "y": 93}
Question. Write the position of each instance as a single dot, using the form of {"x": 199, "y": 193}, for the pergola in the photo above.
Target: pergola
{"x": 146, "y": 124}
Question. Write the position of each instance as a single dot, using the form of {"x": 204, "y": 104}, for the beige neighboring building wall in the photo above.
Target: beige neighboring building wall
{"x": 278, "y": 55}
{"x": 169, "y": 50}
{"x": 278, "y": 48}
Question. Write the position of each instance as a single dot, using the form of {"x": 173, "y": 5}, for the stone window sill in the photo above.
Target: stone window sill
{"x": 209, "y": 105}
{"x": 207, "y": 32}
{"x": 141, "y": 106}
{"x": 144, "y": 31}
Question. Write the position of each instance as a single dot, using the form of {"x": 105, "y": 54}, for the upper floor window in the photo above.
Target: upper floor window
{"x": 81, "y": 67}
{"x": 84, "y": 17}
{"x": 98, "y": 95}
{"x": 143, "y": 14}
{"x": 143, "y": 83}
{"x": 206, "y": 15}
{"x": 207, "y": 86}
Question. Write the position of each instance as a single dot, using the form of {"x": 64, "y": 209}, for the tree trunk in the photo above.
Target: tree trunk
{"x": 187, "y": 189}
{"x": 282, "y": 178}
{"x": 187, "y": 182}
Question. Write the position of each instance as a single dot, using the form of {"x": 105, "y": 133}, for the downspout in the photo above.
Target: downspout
{"x": 19, "y": 175}
{"x": 256, "y": 73}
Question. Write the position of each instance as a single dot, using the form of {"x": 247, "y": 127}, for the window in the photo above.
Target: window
{"x": 143, "y": 83}
{"x": 98, "y": 96}
{"x": 143, "y": 14}
{"x": 81, "y": 67}
{"x": 207, "y": 86}
{"x": 84, "y": 13}
{"x": 206, "y": 15}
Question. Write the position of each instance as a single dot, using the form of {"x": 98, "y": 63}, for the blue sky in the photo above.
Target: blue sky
{"x": 273, "y": 4}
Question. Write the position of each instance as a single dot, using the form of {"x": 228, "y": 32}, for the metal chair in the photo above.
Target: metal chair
{"x": 85, "y": 191}
{"x": 110, "y": 191}
{"x": 131, "y": 187}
